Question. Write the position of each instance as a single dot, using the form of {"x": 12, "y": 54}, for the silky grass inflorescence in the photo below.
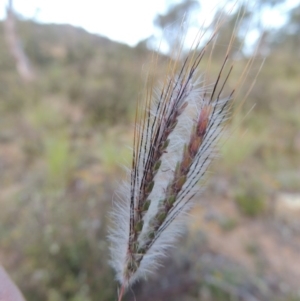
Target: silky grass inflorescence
{"x": 175, "y": 138}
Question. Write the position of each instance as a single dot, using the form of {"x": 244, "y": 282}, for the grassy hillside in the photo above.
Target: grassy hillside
{"x": 63, "y": 137}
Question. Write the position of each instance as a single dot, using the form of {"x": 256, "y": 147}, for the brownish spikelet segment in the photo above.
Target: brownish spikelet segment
{"x": 203, "y": 120}
{"x": 193, "y": 148}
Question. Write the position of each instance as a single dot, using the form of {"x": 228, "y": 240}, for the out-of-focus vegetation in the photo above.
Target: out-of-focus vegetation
{"x": 63, "y": 137}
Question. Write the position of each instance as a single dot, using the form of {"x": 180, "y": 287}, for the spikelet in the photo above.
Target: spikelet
{"x": 175, "y": 139}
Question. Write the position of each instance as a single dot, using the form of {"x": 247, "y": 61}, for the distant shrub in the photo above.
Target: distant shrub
{"x": 251, "y": 199}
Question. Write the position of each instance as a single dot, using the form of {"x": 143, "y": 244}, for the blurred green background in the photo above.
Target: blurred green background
{"x": 65, "y": 133}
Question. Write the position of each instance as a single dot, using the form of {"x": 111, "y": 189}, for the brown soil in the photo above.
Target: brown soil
{"x": 263, "y": 244}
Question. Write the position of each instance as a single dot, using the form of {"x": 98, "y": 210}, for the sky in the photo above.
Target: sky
{"x": 127, "y": 21}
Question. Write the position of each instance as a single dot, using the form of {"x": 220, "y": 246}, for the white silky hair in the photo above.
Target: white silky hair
{"x": 175, "y": 222}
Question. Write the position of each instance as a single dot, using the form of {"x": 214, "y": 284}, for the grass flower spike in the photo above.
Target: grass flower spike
{"x": 175, "y": 140}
